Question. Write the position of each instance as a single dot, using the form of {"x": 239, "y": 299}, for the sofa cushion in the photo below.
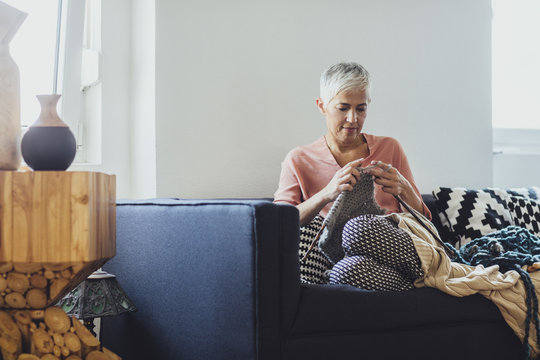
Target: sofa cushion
{"x": 468, "y": 214}
{"x": 327, "y": 309}
{"x": 525, "y": 213}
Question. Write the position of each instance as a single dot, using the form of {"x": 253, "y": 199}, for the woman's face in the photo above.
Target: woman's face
{"x": 345, "y": 115}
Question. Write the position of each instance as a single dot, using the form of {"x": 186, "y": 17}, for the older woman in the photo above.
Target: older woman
{"x": 314, "y": 175}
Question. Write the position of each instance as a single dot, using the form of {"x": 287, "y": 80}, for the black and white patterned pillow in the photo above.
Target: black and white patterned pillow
{"x": 469, "y": 214}
{"x": 313, "y": 269}
{"x": 525, "y": 213}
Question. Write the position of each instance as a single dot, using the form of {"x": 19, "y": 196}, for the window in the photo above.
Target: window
{"x": 58, "y": 50}
{"x": 80, "y": 76}
{"x": 516, "y": 75}
{"x": 516, "y": 64}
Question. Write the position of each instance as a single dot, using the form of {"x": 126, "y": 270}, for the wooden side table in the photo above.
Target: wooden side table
{"x": 60, "y": 225}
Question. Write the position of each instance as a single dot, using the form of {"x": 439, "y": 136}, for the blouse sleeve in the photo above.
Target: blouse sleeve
{"x": 405, "y": 170}
{"x": 289, "y": 186}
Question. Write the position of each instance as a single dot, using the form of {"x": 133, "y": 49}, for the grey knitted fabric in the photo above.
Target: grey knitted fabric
{"x": 349, "y": 204}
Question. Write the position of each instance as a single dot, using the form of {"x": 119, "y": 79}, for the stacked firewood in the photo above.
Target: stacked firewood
{"x": 48, "y": 334}
{"x": 33, "y": 286}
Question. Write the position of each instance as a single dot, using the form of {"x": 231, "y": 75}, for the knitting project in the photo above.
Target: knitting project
{"x": 510, "y": 248}
{"x": 349, "y": 204}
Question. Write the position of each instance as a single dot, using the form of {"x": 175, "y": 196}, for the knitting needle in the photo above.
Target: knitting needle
{"x": 312, "y": 245}
{"x": 449, "y": 251}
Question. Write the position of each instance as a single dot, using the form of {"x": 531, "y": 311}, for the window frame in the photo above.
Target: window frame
{"x": 81, "y": 105}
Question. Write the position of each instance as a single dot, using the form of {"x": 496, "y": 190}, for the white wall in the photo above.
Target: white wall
{"x": 236, "y": 83}
{"x": 143, "y": 108}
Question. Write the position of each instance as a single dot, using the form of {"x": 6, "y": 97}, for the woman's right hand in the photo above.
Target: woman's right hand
{"x": 343, "y": 180}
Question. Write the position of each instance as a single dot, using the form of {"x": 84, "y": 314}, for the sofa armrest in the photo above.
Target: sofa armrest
{"x": 208, "y": 277}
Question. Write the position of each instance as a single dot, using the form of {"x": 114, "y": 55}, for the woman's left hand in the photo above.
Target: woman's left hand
{"x": 389, "y": 178}
{"x": 392, "y": 182}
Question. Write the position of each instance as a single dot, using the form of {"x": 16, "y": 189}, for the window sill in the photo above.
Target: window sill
{"x": 516, "y": 141}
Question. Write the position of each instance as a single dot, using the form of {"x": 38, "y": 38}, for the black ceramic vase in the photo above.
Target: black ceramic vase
{"x": 48, "y": 144}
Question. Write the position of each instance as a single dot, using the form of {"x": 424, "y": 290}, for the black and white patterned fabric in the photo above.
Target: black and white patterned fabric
{"x": 314, "y": 269}
{"x": 378, "y": 256}
{"x": 468, "y": 214}
{"x": 366, "y": 273}
{"x": 525, "y": 213}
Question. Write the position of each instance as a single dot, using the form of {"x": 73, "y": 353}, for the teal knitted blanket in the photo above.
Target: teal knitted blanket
{"x": 510, "y": 248}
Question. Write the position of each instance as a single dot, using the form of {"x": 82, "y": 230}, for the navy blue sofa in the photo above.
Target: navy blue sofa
{"x": 219, "y": 279}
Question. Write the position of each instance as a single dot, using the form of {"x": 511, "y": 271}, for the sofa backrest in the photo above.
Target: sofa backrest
{"x": 208, "y": 277}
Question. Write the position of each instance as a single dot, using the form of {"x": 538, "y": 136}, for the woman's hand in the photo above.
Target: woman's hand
{"x": 392, "y": 182}
{"x": 344, "y": 180}
{"x": 389, "y": 178}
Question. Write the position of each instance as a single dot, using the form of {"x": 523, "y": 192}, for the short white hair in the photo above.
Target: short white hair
{"x": 344, "y": 76}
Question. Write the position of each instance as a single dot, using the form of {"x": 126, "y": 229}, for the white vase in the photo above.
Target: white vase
{"x": 10, "y": 108}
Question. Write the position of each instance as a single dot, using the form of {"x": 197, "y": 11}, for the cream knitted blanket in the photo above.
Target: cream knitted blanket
{"x": 505, "y": 290}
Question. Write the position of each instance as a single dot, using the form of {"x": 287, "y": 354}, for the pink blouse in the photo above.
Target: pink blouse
{"x": 307, "y": 169}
